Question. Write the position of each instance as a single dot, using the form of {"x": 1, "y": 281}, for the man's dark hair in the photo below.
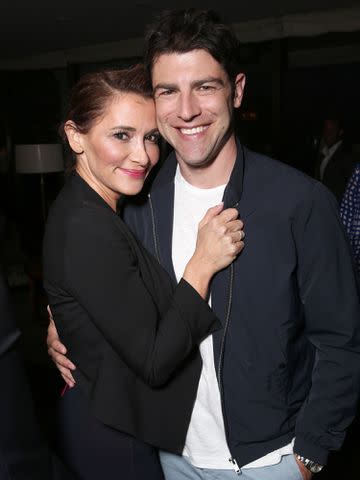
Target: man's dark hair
{"x": 181, "y": 31}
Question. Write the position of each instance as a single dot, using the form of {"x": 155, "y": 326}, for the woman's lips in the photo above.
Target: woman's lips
{"x": 134, "y": 173}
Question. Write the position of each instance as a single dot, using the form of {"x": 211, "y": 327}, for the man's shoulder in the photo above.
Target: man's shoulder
{"x": 281, "y": 187}
{"x": 275, "y": 171}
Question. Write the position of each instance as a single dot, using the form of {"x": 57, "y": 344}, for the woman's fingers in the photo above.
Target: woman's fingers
{"x": 59, "y": 359}
{"x": 211, "y": 213}
{"x": 70, "y": 382}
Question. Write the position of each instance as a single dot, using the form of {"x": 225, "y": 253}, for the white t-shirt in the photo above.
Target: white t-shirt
{"x": 205, "y": 445}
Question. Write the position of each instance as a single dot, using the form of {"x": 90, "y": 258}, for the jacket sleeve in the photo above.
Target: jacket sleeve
{"x": 350, "y": 213}
{"x": 330, "y": 297}
{"x": 103, "y": 274}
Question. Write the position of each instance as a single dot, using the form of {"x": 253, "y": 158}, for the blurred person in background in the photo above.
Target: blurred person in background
{"x": 350, "y": 213}
{"x": 335, "y": 161}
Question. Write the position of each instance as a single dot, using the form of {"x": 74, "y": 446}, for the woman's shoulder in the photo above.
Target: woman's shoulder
{"x": 78, "y": 204}
{"x": 76, "y": 221}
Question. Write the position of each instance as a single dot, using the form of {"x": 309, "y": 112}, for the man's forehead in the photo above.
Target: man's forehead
{"x": 186, "y": 65}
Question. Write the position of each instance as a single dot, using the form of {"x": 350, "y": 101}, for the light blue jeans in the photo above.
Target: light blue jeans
{"x": 176, "y": 467}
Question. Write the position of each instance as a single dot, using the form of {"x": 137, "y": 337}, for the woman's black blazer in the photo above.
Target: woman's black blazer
{"x": 131, "y": 332}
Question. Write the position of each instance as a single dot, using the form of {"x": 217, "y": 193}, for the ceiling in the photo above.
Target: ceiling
{"x": 40, "y": 26}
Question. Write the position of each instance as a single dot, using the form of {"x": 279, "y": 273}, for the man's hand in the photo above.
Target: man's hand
{"x": 306, "y": 474}
{"x": 57, "y": 352}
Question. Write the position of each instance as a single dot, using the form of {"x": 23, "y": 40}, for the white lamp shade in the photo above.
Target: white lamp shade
{"x": 39, "y": 158}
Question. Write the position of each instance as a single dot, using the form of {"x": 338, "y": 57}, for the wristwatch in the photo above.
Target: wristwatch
{"x": 312, "y": 466}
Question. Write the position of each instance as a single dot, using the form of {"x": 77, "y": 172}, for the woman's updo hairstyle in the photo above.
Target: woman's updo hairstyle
{"x": 91, "y": 94}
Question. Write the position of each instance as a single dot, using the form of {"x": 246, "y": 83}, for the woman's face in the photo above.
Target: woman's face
{"x": 121, "y": 147}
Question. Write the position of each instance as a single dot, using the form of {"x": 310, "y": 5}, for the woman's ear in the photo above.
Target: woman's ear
{"x": 74, "y": 137}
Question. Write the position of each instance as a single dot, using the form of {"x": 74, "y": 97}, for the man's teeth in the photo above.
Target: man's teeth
{"x": 192, "y": 131}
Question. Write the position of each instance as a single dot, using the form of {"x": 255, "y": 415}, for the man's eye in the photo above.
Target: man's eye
{"x": 165, "y": 93}
{"x": 121, "y": 135}
{"x": 206, "y": 88}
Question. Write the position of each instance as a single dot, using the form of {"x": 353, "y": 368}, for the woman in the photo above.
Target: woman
{"x": 131, "y": 332}
{"x": 350, "y": 213}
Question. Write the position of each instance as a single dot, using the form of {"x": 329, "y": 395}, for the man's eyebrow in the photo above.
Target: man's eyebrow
{"x": 165, "y": 86}
{"x": 201, "y": 81}
{"x": 195, "y": 83}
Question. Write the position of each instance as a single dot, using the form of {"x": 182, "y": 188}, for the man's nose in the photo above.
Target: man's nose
{"x": 188, "y": 107}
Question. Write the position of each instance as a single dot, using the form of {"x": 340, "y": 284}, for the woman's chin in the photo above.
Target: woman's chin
{"x": 131, "y": 190}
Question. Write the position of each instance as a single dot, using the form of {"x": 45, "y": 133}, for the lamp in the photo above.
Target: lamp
{"x": 39, "y": 158}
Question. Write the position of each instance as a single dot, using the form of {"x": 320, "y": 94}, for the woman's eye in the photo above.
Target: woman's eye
{"x": 153, "y": 137}
{"x": 121, "y": 135}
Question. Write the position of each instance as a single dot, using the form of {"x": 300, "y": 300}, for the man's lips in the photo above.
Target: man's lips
{"x": 193, "y": 130}
{"x": 134, "y": 173}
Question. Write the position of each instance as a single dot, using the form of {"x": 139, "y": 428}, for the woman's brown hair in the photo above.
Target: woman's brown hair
{"x": 91, "y": 94}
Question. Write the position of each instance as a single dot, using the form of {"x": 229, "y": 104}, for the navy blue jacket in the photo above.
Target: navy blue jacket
{"x": 288, "y": 355}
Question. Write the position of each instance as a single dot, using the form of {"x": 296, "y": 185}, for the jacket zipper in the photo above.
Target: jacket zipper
{"x": 156, "y": 243}
{"x": 232, "y": 460}
{"x": 227, "y": 321}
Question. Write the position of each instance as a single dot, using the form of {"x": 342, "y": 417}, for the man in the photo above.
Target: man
{"x": 335, "y": 163}
{"x": 282, "y": 376}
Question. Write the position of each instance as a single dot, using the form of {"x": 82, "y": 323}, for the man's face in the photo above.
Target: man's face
{"x": 332, "y": 132}
{"x": 194, "y": 104}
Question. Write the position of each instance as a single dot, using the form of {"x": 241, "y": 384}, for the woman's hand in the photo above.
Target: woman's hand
{"x": 219, "y": 242}
{"x": 57, "y": 352}
{"x": 220, "y": 238}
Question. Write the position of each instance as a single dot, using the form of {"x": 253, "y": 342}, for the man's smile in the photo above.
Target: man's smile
{"x": 193, "y": 130}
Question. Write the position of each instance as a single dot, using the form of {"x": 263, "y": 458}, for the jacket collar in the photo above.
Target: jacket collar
{"x": 166, "y": 173}
{"x": 162, "y": 199}
{"x": 87, "y": 194}
{"x": 233, "y": 190}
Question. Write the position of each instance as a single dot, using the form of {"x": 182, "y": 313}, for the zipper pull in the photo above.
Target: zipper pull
{"x": 235, "y": 466}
